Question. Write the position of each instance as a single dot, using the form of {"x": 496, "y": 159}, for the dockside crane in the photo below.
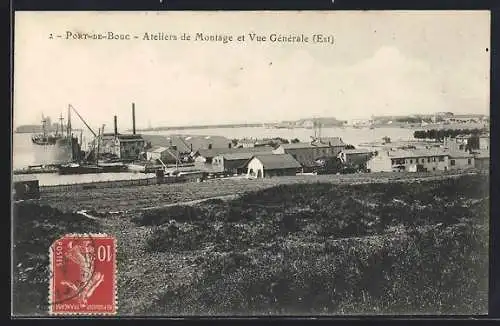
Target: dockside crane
{"x": 83, "y": 120}
{"x": 89, "y": 152}
{"x": 98, "y": 139}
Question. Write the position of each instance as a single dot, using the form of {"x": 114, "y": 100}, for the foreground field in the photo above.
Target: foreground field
{"x": 130, "y": 199}
{"x": 297, "y": 248}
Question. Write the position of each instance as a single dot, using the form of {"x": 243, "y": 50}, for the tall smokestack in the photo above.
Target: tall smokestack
{"x": 133, "y": 118}
{"x": 116, "y": 126}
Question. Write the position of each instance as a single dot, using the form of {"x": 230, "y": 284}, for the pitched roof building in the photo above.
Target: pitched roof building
{"x": 206, "y": 155}
{"x": 270, "y": 165}
{"x": 308, "y": 153}
{"x": 187, "y": 143}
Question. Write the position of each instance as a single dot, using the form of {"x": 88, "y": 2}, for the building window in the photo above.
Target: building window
{"x": 441, "y": 159}
{"x": 452, "y": 162}
{"x": 428, "y": 160}
{"x": 469, "y": 161}
{"x": 411, "y": 161}
{"x": 398, "y": 161}
{"x": 433, "y": 159}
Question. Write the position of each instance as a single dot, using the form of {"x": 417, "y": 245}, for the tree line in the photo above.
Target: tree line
{"x": 440, "y": 134}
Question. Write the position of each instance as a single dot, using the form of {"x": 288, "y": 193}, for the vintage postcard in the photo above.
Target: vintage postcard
{"x": 251, "y": 163}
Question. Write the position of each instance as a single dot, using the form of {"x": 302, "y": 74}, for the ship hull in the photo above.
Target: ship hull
{"x": 65, "y": 170}
{"x": 87, "y": 169}
{"x": 111, "y": 167}
{"x": 64, "y": 150}
{"x": 45, "y": 140}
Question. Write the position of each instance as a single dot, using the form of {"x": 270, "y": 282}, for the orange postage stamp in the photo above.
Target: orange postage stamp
{"x": 83, "y": 275}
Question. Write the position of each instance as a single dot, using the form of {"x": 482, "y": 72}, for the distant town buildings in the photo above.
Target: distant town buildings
{"x": 262, "y": 157}
{"x": 468, "y": 142}
{"x": 245, "y": 143}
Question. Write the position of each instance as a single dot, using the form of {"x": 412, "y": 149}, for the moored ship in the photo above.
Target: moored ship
{"x": 75, "y": 168}
{"x": 59, "y": 148}
{"x": 86, "y": 168}
{"x": 46, "y": 138}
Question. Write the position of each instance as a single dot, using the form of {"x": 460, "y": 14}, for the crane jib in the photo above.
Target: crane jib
{"x": 81, "y": 118}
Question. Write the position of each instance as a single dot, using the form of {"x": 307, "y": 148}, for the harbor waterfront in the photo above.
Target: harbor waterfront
{"x": 25, "y": 153}
{"x": 349, "y": 135}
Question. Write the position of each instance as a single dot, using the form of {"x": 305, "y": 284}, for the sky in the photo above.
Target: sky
{"x": 381, "y": 63}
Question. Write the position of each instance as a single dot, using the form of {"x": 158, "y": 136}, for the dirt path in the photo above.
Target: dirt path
{"x": 191, "y": 202}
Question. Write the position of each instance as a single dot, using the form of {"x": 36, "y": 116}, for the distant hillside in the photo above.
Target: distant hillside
{"x": 33, "y": 129}
{"x": 323, "y": 121}
{"x": 165, "y": 128}
{"x": 310, "y": 123}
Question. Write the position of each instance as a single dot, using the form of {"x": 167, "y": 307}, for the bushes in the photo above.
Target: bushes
{"x": 324, "y": 210}
{"x": 397, "y": 248}
{"x": 179, "y": 213}
{"x": 173, "y": 237}
{"x": 374, "y": 206}
{"x": 440, "y": 134}
{"x": 431, "y": 271}
{"x": 224, "y": 237}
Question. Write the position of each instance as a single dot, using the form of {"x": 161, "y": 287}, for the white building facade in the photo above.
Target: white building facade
{"x": 409, "y": 161}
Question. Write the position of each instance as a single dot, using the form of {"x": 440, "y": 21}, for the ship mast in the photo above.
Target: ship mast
{"x": 43, "y": 126}
{"x": 98, "y": 139}
{"x": 101, "y": 133}
{"x": 315, "y": 126}
{"x": 68, "y": 129}
{"x": 62, "y": 125}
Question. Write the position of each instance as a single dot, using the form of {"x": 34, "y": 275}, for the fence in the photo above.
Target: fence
{"x": 111, "y": 184}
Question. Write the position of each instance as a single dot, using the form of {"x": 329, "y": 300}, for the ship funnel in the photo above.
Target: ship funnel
{"x": 116, "y": 126}
{"x": 133, "y": 118}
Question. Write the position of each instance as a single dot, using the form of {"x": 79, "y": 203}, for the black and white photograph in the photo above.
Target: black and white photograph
{"x": 243, "y": 163}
